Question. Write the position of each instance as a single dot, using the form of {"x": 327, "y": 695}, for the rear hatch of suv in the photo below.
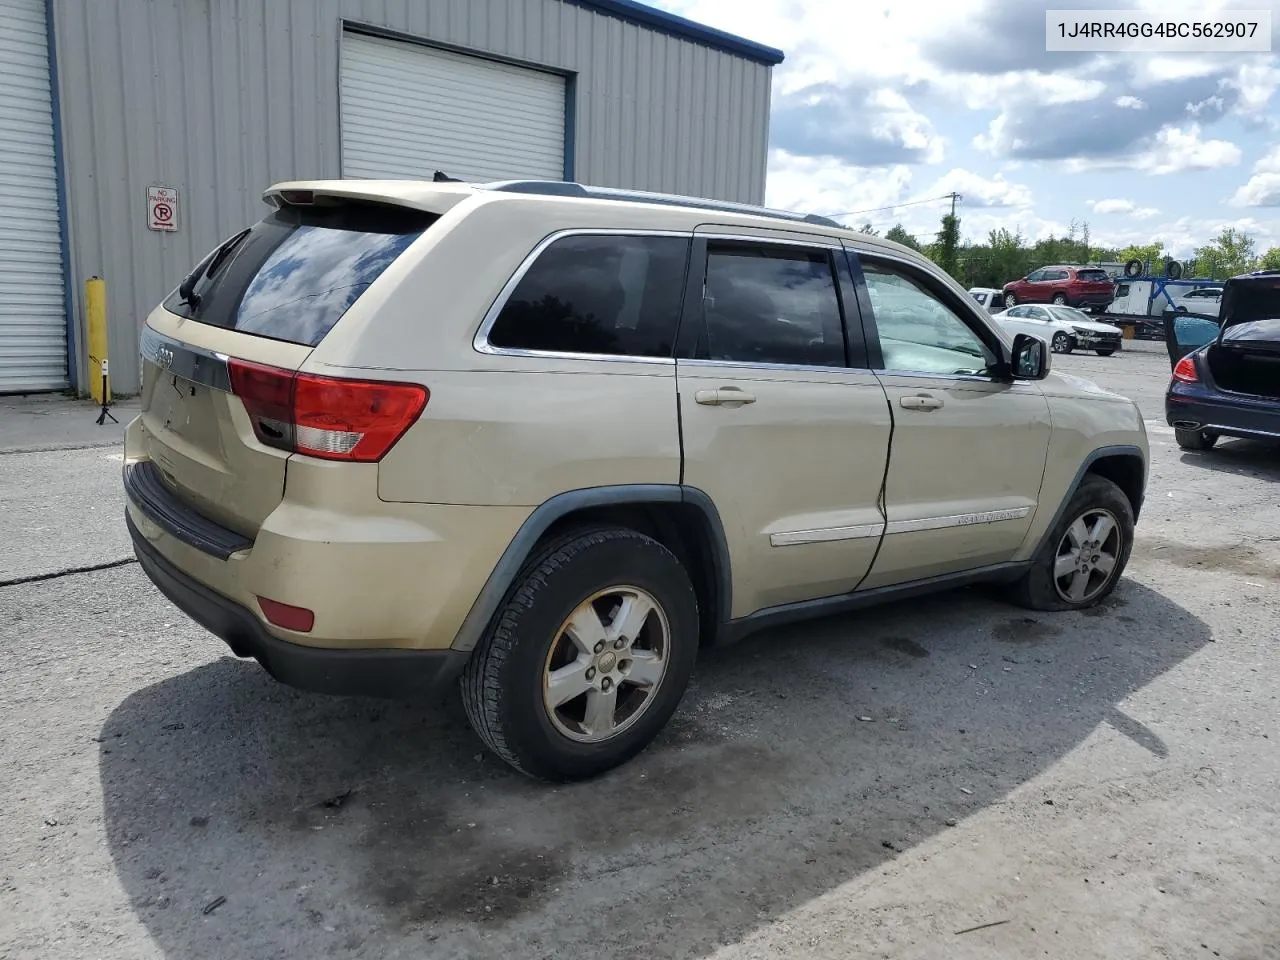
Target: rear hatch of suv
{"x": 1094, "y": 284}
{"x": 223, "y": 403}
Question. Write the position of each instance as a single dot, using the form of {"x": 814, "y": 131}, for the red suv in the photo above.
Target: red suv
{"x": 1071, "y": 286}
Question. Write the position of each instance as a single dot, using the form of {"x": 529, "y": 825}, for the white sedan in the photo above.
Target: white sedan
{"x": 1206, "y": 300}
{"x": 1063, "y": 328}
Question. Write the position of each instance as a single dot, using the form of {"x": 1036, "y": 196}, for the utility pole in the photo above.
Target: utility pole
{"x": 954, "y": 197}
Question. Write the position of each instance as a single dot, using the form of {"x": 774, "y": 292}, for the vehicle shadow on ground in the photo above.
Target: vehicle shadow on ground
{"x": 1240, "y": 458}
{"x": 248, "y": 820}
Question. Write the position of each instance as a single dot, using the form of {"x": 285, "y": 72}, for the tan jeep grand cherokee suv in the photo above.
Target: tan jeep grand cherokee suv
{"x": 551, "y": 439}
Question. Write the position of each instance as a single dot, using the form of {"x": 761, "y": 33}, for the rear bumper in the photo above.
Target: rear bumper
{"x": 371, "y": 673}
{"x": 1195, "y": 407}
{"x": 1091, "y": 299}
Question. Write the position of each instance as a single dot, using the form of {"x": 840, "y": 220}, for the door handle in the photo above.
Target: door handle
{"x": 920, "y": 403}
{"x": 724, "y": 397}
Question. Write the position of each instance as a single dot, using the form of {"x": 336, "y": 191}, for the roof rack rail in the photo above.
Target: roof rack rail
{"x": 559, "y": 188}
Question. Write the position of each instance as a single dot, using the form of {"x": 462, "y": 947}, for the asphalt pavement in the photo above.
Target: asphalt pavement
{"x": 946, "y": 778}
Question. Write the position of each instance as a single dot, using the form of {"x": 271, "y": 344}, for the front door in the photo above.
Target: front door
{"x": 783, "y": 425}
{"x": 968, "y": 450}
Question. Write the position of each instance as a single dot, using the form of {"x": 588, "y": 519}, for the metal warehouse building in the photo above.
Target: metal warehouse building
{"x": 137, "y": 134}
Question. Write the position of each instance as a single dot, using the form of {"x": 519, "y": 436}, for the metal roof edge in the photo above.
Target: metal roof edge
{"x": 684, "y": 29}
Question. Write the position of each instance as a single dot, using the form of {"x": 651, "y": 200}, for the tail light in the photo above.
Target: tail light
{"x": 1185, "y": 370}
{"x": 328, "y": 417}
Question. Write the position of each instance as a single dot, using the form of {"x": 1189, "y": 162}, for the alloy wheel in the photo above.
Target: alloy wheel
{"x": 606, "y": 663}
{"x": 1087, "y": 556}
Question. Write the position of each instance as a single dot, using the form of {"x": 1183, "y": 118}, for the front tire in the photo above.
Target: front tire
{"x": 1010, "y": 301}
{"x": 1061, "y": 343}
{"x": 1105, "y": 353}
{"x": 1195, "y": 439}
{"x": 588, "y": 657}
{"x": 1084, "y": 555}
{"x": 1060, "y": 299}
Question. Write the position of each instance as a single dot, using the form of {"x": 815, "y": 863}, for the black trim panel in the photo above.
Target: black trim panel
{"x": 513, "y": 558}
{"x": 848, "y": 602}
{"x": 399, "y": 674}
{"x": 145, "y": 487}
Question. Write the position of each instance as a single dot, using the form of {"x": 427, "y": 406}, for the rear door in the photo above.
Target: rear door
{"x": 968, "y": 450}
{"x": 783, "y": 424}
{"x": 260, "y": 303}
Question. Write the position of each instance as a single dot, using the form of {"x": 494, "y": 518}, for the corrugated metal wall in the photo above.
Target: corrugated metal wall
{"x": 221, "y": 98}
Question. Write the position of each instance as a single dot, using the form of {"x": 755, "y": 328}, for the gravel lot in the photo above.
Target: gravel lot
{"x": 1100, "y": 785}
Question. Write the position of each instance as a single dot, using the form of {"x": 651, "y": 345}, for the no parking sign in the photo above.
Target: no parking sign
{"x": 162, "y": 209}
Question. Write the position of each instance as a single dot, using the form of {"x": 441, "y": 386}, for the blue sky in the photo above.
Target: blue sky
{"x": 883, "y": 102}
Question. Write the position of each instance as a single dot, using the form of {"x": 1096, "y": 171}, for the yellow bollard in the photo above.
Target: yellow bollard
{"x": 95, "y": 318}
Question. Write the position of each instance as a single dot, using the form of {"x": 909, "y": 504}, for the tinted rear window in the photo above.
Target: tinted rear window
{"x": 605, "y": 295}
{"x": 294, "y": 274}
{"x": 1093, "y": 276}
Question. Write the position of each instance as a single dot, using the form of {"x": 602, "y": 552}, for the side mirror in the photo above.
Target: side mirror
{"x": 1029, "y": 359}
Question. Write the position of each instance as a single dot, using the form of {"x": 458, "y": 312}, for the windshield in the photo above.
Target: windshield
{"x": 1069, "y": 315}
{"x": 292, "y": 275}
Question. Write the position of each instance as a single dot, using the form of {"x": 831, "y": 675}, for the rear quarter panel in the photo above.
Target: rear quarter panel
{"x": 502, "y": 429}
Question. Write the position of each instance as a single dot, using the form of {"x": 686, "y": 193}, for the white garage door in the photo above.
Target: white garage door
{"x": 410, "y": 110}
{"x": 33, "y": 333}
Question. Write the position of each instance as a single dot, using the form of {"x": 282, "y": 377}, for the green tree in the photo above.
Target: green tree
{"x": 898, "y": 234}
{"x": 944, "y": 251}
{"x": 1270, "y": 260}
{"x": 1229, "y": 254}
{"x": 868, "y": 229}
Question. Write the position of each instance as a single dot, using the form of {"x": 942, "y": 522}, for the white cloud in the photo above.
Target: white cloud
{"x": 1112, "y": 206}
{"x": 1171, "y": 150}
{"x": 1025, "y": 86}
{"x": 898, "y": 122}
{"x": 1262, "y": 190}
{"x": 1177, "y": 149}
{"x": 826, "y": 185}
{"x": 1132, "y": 103}
{"x": 1256, "y": 83}
{"x": 979, "y": 191}
{"x": 1182, "y": 236}
{"x": 1269, "y": 162}
{"x": 1123, "y": 207}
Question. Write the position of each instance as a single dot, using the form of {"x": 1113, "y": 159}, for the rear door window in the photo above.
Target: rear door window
{"x": 294, "y": 274}
{"x": 1093, "y": 276}
{"x": 770, "y": 305}
{"x": 598, "y": 295}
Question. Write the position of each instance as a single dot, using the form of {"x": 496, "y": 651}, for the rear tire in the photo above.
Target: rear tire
{"x": 560, "y": 625}
{"x": 1195, "y": 439}
{"x": 1105, "y": 353}
{"x": 1060, "y": 299}
{"x": 1081, "y": 561}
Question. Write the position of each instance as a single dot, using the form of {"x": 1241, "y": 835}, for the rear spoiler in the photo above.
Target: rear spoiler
{"x": 431, "y": 197}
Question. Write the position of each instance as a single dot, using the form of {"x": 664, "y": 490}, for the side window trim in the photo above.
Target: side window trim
{"x": 969, "y": 317}
{"x": 480, "y": 342}
{"x": 692, "y": 316}
{"x": 870, "y": 339}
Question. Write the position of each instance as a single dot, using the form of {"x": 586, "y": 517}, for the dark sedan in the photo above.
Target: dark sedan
{"x": 1226, "y": 372}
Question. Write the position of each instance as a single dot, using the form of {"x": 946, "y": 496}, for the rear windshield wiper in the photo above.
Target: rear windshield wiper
{"x": 206, "y": 268}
